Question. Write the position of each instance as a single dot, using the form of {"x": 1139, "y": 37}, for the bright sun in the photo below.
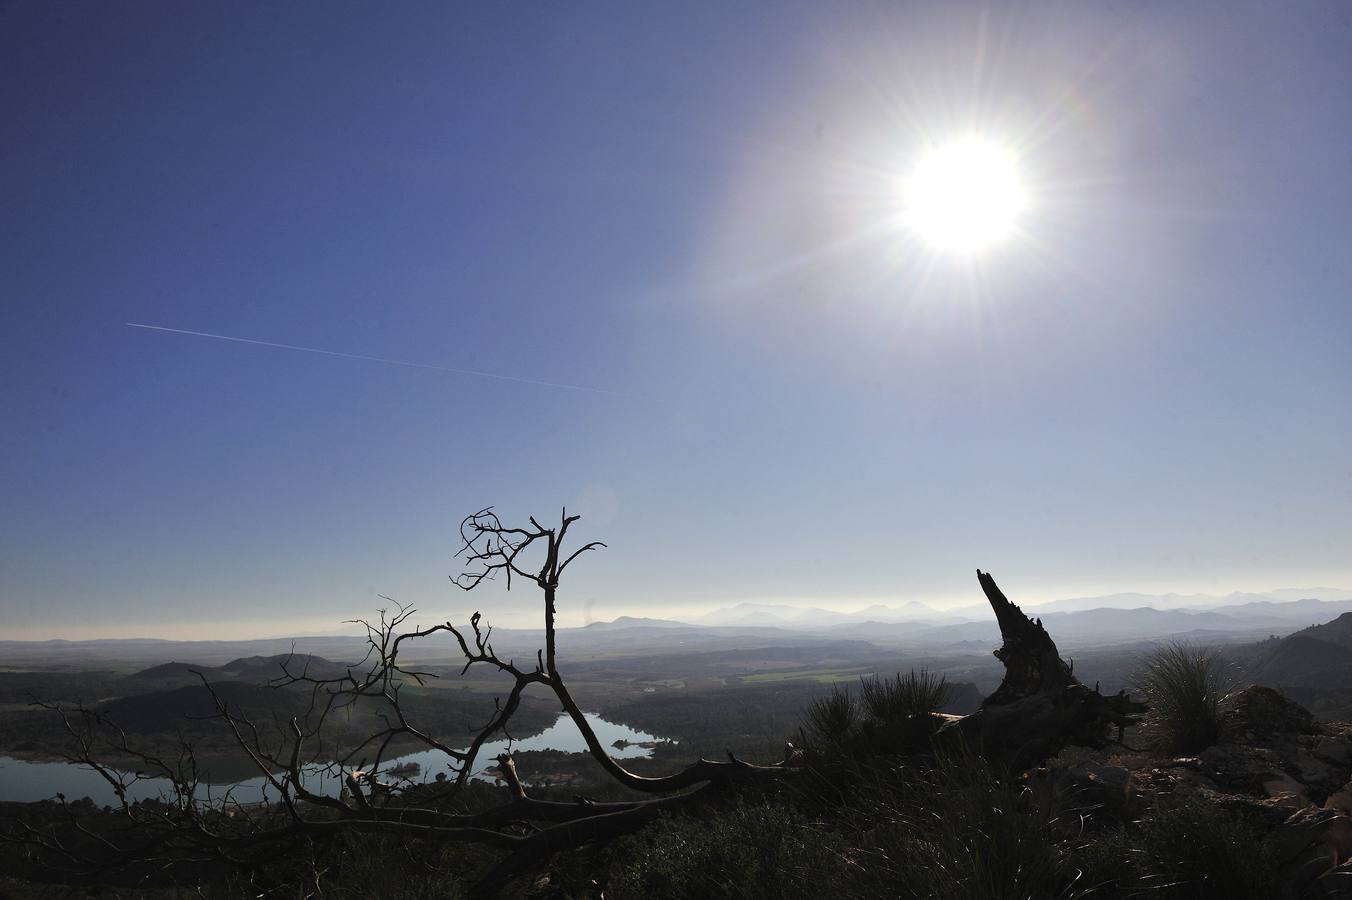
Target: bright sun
{"x": 964, "y": 197}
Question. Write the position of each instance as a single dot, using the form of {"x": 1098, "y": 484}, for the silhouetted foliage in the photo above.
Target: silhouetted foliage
{"x": 891, "y": 715}
{"x": 951, "y": 828}
{"x": 761, "y": 849}
{"x": 903, "y": 696}
{"x": 832, "y": 720}
{"x": 1185, "y": 847}
{"x": 890, "y": 796}
{"x": 1184, "y": 685}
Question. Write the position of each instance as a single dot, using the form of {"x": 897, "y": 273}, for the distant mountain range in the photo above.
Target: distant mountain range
{"x": 781, "y": 615}
{"x": 1193, "y": 601}
{"x": 1115, "y": 618}
{"x": 1106, "y": 620}
{"x": 635, "y": 622}
{"x": 115, "y": 651}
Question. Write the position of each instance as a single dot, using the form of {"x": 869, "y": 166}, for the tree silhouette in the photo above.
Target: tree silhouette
{"x": 1039, "y": 707}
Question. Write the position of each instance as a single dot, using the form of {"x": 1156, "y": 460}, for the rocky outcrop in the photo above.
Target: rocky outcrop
{"x": 1257, "y": 715}
{"x": 1276, "y": 765}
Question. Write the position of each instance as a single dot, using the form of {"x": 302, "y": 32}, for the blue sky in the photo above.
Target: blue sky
{"x": 686, "y": 208}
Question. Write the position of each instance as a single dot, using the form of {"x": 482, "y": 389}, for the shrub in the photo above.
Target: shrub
{"x": 903, "y": 697}
{"x": 831, "y": 720}
{"x": 758, "y": 850}
{"x": 950, "y": 830}
{"x": 357, "y": 867}
{"x": 891, "y": 715}
{"x": 1183, "y": 685}
{"x": 958, "y": 830}
{"x": 1193, "y": 848}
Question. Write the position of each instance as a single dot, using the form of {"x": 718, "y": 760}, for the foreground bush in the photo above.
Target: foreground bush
{"x": 1185, "y": 847}
{"x": 955, "y": 829}
{"x": 891, "y": 715}
{"x": 747, "y": 851}
{"x": 904, "y": 696}
{"x": 1183, "y": 685}
{"x": 950, "y": 830}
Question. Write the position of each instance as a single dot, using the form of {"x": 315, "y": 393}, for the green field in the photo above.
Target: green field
{"x": 821, "y": 676}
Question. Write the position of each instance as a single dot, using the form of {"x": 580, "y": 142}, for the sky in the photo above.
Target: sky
{"x": 672, "y": 230}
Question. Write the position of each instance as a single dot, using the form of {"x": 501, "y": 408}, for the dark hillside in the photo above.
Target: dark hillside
{"x": 1338, "y": 632}
{"x": 170, "y": 670}
{"x": 261, "y": 669}
{"x": 163, "y": 711}
{"x": 1313, "y": 666}
{"x": 1304, "y": 659}
{"x": 21, "y": 688}
{"x": 166, "y": 675}
{"x": 251, "y": 669}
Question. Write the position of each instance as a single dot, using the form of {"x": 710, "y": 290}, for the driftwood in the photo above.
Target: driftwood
{"x": 1038, "y": 708}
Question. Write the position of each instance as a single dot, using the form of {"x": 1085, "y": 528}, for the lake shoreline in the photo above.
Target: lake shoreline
{"x": 34, "y": 775}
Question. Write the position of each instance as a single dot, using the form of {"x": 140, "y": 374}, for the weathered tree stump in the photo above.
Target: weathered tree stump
{"x": 1040, "y": 706}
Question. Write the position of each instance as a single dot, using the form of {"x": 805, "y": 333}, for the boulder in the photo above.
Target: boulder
{"x": 1258, "y": 715}
{"x": 1334, "y": 885}
{"x": 1106, "y": 789}
{"x": 1335, "y": 750}
{"x": 1311, "y": 844}
{"x": 1244, "y": 769}
{"x": 1286, "y": 791}
{"x": 1340, "y": 800}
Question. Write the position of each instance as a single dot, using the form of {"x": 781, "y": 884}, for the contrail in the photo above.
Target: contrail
{"x": 380, "y": 359}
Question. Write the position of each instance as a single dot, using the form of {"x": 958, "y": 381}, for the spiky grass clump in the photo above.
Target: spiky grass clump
{"x": 903, "y": 696}
{"x": 831, "y": 720}
{"x": 890, "y": 715}
{"x": 1184, "y": 685}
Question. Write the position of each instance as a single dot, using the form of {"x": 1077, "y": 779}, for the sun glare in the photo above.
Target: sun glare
{"x": 964, "y": 197}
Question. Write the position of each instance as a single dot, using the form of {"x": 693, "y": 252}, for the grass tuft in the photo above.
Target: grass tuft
{"x": 903, "y": 696}
{"x": 1184, "y": 685}
{"x": 833, "y": 719}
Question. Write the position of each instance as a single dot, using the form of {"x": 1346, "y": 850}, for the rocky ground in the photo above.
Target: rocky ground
{"x": 1274, "y": 765}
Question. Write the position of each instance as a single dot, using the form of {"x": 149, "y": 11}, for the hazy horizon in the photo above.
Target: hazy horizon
{"x": 569, "y": 618}
{"x": 290, "y": 290}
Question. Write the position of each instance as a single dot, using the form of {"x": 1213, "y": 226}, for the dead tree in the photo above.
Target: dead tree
{"x": 1038, "y": 708}
{"x": 291, "y": 755}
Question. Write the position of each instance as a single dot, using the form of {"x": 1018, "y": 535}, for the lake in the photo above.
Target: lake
{"x": 26, "y": 782}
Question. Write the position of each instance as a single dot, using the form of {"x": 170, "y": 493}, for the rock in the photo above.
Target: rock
{"x": 1336, "y": 751}
{"x": 1312, "y": 770}
{"x": 1257, "y": 715}
{"x": 1271, "y": 811}
{"x": 1286, "y": 791}
{"x": 1106, "y": 790}
{"x": 1335, "y": 884}
{"x": 1312, "y": 843}
{"x": 1340, "y": 800}
{"x": 1338, "y": 835}
{"x": 1245, "y": 769}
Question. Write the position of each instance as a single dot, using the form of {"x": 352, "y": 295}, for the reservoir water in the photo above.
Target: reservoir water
{"x": 26, "y": 782}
